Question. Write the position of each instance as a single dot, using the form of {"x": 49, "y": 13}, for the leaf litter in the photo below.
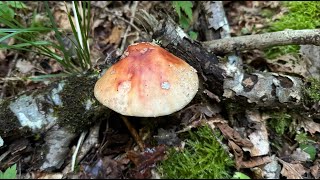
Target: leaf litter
{"x": 115, "y": 156}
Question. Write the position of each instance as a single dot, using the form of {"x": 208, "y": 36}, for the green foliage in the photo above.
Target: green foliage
{"x": 7, "y": 8}
{"x": 202, "y": 157}
{"x": 240, "y": 175}
{"x": 10, "y": 173}
{"x": 280, "y": 121}
{"x": 193, "y": 35}
{"x": 186, "y": 6}
{"x": 310, "y": 149}
{"x": 300, "y": 15}
{"x": 184, "y": 11}
{"x": 74, "y": 60}
{"x": 306, "y": 144}
{"x": 276, "y": 51}
{"x": 313, "y": 91}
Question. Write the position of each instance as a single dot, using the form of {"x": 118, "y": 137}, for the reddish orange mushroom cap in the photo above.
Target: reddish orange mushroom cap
{"x": 148, "y": 81}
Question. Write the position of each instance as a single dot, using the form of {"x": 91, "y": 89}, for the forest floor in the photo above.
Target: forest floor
{"x": 292, "y": 148}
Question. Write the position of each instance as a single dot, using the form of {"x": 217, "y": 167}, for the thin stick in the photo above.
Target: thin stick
{"x": 12, "y": 64}
{"x": 260, "y": 41}
{"x": 133, "y": 10}
{"x": 133, "y": 132}
{"x": 74, "y": 156}
{"x": 123, "y": 19}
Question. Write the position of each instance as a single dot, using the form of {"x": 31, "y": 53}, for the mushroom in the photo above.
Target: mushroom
{"x": 147, "y": 81}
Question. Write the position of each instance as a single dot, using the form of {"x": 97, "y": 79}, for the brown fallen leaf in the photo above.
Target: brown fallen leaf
{"x": 310, "y": 126}
{"x": 115, "y": 36}
{"x": 145, "y": 161}
{"x": 238, "y": 153}
{"x": 288, "y": 64}
{"x": 315, "y": 170}
{"x": 292, "y": 171}
{"x": 44, "y": 175}
{"x": 62, "y": 20}
{"x": 255, "y": 161}
{"x": 233, "y": 135}
{"x": 103, "y": 168}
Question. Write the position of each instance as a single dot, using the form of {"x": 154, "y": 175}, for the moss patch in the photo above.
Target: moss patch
{"x": 202, "y": 157}
{"x": 280, "y": 122}
{"x": 312, "y": 92}
{"x": 300, "y": 15}
{"x": 9, "y": 122}
{"x": 76, "y": 92}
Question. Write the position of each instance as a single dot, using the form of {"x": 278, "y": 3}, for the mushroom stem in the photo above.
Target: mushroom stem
{"x": 133, "y": 132}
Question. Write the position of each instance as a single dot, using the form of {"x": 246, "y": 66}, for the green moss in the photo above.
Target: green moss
{"x": 202, "y": 157}
{"x": 8, "y": 120}
{"x": 300, "y": 15}
{"x": 276, "y": 51}
{"x": 76, "y": 92}
{"x": 312, "y": 92}
{"x": 280, "y": 122}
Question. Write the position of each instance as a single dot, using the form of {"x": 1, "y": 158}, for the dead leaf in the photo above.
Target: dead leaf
{"x": 299, "y": 155}
{"x": 238, "y": 153}
{"x": 96, "y": 23}
{"x": 106, "y": 168}
{"x": 24, "y": 66}
{"x": 144, "y": 161}
{"x": 292, "y": 171}
{"x": 61, "y": 16}
{"x": 259, "y": 137}
{"x": 310, "y": 126}
{"x": 50, "y": 176}
{"x": 311, "y": 54}
{"x": 100, "y": 4}
{"x": 315, "y": 170}
{"x": 115, "y": 36}
{"x": 288, "y": 64}
{"x": 233, "y": 135}
{"x": 197, "y": 112}
{"x": 255, "y": 161}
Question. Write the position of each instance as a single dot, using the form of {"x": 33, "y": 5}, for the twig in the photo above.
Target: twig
{"x": 260, "y": 41}
{"x": 133, "y": 10}
{"x": 133, "y": 132}
{"x": 74, "y": 156}
{"x": 123, "y": 19}
{"x": 11, "y": 65}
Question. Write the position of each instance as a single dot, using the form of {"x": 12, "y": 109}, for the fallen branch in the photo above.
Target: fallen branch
{"x": 226, "y": 80}
{"x": 260, "y": 41}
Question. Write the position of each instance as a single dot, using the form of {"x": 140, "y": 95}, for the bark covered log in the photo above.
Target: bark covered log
{"x": 59, "y": 113}
{"x": 226, "y": 79}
